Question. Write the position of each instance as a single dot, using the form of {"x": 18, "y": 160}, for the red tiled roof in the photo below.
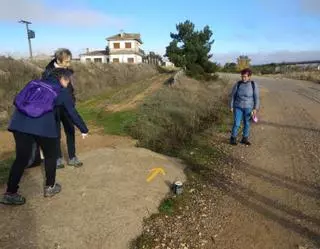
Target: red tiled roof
{"x": 125, "y": 36}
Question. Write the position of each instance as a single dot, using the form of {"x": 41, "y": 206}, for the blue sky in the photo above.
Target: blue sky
{"x": 266, "y": 30}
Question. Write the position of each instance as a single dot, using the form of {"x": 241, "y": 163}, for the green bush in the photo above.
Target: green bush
{"x": 210, "y": 67}
{"x": 194, "y": 70}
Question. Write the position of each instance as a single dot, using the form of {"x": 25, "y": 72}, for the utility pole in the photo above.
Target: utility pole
{"x": 30, "y": 35}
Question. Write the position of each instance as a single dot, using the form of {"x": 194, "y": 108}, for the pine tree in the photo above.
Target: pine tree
{"x": 190, "y": 49}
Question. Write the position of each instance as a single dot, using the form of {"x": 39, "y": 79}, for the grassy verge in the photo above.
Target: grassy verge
{"x": 168, "y": 119}
{"x": 115, "y": 123}
{"x": 117, "y": 94}
{"x": 313, "y": 76}
{"x": 5, "y": 165}
{"x": 308, "y": 76}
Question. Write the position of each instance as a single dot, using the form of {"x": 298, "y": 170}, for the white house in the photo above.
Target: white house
{"x": 168, "y": 64}
{"x": 97, "y": 56}
{"x": 125, "y": 48}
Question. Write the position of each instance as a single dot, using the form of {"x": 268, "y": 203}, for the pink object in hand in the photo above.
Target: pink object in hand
{"x": 255, "y": 118}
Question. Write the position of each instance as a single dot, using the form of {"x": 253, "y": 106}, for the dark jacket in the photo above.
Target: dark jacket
{"x": 49, "y": 68}
{"x": 46, "y": 125}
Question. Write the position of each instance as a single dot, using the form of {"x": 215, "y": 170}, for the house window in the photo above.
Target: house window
{"x": 99, "y": 60}
{"x": 115, "y": 60}
{"x": 128, "y": 44}
{"x": 88, "y": 59}
{"x": 130, "y": 60}
{"x": 116, "y": 45}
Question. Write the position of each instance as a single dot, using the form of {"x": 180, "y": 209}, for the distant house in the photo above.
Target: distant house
{"x": 97, "y": 56}
{"x": 125, "y": 48}
{"x": 168, "y": 64}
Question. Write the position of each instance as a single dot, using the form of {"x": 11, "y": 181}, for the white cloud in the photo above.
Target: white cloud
{"x": 38, "y": 11}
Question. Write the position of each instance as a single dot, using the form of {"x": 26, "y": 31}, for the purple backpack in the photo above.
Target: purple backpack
{"x": 36, "y": 98}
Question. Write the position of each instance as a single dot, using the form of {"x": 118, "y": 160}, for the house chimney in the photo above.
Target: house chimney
{"x": 87, "y": 50}
{"x": 121, "y": 33}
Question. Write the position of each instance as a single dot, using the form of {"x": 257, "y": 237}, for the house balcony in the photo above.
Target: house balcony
{"x": 137, "y": 51}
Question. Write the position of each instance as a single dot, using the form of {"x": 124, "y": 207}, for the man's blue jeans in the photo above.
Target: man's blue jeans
{"x": 240, "y": 114}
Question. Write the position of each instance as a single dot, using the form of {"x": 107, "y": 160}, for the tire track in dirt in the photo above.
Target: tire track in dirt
{"x": 273, "y": 199}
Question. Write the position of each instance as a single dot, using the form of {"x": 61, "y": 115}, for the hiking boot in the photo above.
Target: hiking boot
{"x": 50, "y": 191}
{"x": 233, "y": 141}
{"x": 60, "y": 164}
{"x": 13, "y": 199}
{"x": 75, "y": 162}
{"x": 245, "y": 141}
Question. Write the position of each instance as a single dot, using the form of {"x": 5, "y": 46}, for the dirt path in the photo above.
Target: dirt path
{"x": 102, "y": 204}
{"x": 155, "y": 83}
{"x": 273, "y": 200}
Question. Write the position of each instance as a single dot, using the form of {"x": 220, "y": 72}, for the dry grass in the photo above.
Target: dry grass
{"x": 90, "y": 79}
{"x": 313, "y": 76}
{"x": 13, "y": 76}
{"x": 93, "y": 78}
{"x": 168, "y": 118}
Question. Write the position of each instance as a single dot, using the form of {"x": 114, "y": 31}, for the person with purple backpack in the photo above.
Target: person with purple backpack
{"x": 62, "y": 59}
{"x": 34, "y": 119}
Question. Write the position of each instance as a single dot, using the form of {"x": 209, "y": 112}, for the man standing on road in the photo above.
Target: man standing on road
{"x": 244, "y": 103}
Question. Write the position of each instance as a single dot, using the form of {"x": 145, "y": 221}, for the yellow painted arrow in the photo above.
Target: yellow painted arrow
{"x": 154, "y": 173}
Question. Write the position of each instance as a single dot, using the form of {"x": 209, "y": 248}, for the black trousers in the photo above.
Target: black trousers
{"x": 24, "y": 144}
{"x": 35, "y": 159}
{"x": 62, "y": 117}
{"x": 69, "y": 130}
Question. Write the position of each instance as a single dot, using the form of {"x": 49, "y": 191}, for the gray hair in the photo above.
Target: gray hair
{"x": 62, "y": 53}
